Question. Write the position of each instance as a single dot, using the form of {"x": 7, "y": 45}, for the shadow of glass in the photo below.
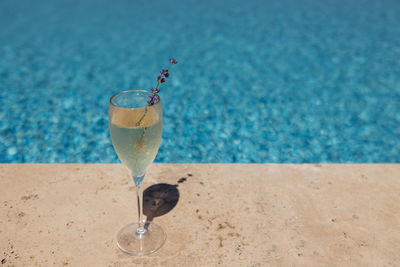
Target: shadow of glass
{"x": 158, "y": 200}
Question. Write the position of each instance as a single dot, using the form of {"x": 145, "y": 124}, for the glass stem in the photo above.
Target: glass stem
{"x": 139, "y": 194}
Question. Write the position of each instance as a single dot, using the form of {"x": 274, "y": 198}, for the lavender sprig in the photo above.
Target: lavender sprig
{"x": 164, "y": 74}
{"x": 154, "y": 98}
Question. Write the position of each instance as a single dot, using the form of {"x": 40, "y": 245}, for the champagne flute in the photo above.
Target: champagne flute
{"x": 136, "y": 130}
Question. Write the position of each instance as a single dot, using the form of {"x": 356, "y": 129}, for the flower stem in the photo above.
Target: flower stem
{"x": 140, "y": 120}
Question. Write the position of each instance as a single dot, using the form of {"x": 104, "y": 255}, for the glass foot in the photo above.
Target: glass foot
{"x": 140, "y": 244}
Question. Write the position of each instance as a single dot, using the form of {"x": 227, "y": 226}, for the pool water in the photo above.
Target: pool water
{"x": 287, "y": 81}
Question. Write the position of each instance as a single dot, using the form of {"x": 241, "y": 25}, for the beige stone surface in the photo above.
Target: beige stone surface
{"x": 226, "y": 214}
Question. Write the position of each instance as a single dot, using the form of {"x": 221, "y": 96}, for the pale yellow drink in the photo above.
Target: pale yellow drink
{"x": 136, "y": 136}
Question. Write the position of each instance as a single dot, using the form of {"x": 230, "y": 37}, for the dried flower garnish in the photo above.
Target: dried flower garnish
{"x": 164, "y": 73}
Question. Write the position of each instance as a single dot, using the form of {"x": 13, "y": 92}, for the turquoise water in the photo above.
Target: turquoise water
{"x": 257, "y": 81}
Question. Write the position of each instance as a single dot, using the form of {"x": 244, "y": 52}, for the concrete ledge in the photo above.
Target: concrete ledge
{"x": 228, "y": 214}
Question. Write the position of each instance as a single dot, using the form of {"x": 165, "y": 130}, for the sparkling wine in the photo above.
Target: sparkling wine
{"x": 136, "y": 138}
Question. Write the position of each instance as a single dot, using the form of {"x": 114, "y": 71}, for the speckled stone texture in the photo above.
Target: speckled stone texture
{"x": 227, "y": 214}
